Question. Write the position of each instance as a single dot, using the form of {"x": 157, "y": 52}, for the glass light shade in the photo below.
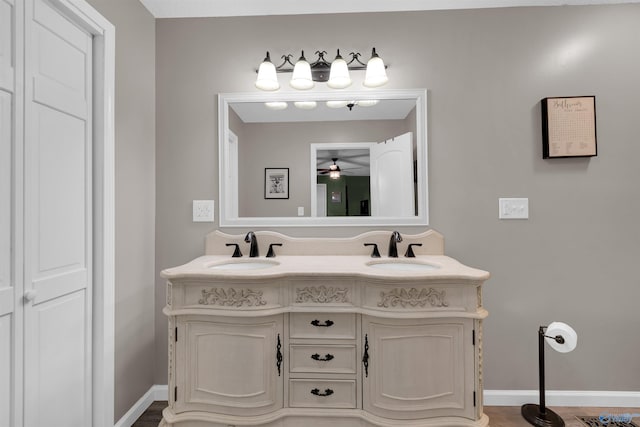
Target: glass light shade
{"x": 267, "y": 79}
{"x": 368, "y": 102}
{"x": 337, "y": 104}
{"x": 339, "y": 74}
{"x": 334, "y": 174}
{"x": 376, "y": 75}
{"x": 276, "y": 105}
{"x": 301, "y": 78}
{"x": 306, "y": 105}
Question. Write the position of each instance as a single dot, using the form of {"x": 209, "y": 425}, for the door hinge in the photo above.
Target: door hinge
{"x": 175, "y": 394}
{"x": 473, "y": 337}
{"x": 474, "y": 398}
{"x": 176, "y": 334}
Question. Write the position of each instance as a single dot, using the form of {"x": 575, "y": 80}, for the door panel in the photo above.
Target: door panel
{"x": 231, "y": 367}
{"x": 60, "y": 368}
{"x": 419, "y": 368}
{"x": 5, "y": 369}
{"x": 58, "y": 213}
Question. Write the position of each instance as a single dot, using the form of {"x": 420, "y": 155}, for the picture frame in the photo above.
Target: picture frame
{"x": 276, "y": 183}
{"x": 569, "y": 127}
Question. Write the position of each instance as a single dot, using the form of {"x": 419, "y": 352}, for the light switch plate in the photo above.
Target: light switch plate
{"x": 203, "y": 211}
{"x": 513, "y": 208}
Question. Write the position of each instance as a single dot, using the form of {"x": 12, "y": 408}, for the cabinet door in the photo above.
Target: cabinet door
{"x": 418, "y": 368}
{"x": 230, "y": 366}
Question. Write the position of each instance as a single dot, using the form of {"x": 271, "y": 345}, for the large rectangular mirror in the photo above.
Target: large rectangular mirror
{"x": 355, "y": 158}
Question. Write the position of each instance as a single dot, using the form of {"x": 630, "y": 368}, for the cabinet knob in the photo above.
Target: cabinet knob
{"x": 30, "y": 295}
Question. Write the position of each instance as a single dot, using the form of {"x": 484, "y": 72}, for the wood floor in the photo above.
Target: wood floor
{"x": 499, "y": 416}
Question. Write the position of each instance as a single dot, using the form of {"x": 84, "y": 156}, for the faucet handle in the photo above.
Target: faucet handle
{"x": 271, "y": 253}
{"x": 409, "y": 253}
{"x": 375, "y": 253}
{"x": 236, "y": 252}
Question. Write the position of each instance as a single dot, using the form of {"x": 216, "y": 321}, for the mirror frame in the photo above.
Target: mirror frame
{"x": 228, "y": 220}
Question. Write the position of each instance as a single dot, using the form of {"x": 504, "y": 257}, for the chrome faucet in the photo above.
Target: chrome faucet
{"x": 393, "y": 244}
{"x": 253, "y": 250}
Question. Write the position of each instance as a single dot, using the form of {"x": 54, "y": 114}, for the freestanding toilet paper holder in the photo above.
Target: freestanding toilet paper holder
{"x": 563, "y": 339}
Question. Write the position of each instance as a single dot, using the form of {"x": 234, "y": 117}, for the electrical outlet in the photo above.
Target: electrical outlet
{"x": 513, "y": 208}
{"x": 203, "y": 211}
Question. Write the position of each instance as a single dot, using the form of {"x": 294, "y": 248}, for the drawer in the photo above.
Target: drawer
{"x": 305, "y": 393}
{"x": 326, "y": 359}
{"x": 323, "y": 325}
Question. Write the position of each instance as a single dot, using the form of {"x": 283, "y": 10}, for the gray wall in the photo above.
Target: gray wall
{"x": 135, "y": 346}
{"x": 486, "y": 72}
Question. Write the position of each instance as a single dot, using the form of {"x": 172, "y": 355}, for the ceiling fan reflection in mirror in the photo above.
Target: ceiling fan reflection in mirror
{"x": 334, "y": 170}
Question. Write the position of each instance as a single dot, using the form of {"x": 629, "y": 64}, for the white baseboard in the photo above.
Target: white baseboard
{"x": 615, "y": 399}
{"x": 607, "y": 399}
{"x": 156, "y": 392}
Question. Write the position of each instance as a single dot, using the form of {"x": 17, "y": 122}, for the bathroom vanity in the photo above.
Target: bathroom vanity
{"x": 323, "y": 334}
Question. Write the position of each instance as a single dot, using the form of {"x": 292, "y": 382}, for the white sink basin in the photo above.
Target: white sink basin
{"x": 402, "y": 265}
{"x": 244, "y": 265}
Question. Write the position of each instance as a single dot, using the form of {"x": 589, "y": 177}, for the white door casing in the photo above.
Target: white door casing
{"x": 392, "y": 189}
{"x": 58, "y": 219}
{"x": 231, "y": 159}
{"x": 321, "y": 200}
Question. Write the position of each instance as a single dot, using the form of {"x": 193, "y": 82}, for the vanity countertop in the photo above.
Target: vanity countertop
{"x": 445, "y": 267}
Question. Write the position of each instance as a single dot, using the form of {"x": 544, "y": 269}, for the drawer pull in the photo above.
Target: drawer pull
{"x": 326, "y": 324}
{"x": 326, "y": 358}
{"x": 327, "y": 392}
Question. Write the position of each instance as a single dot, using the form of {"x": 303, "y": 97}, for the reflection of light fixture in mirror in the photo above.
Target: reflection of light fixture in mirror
{"x": 376, "y": 74}
{"x": 339, "y": 74}
{"x": 276, "y": 105}
{"x": 301, "y": 78}
{"x": 306, "y": 105}
{"x": 368, "y": 102}
{"x": 336, "y": 74}
{"x": 351, "y": 104}
{"x": 267, "y": 79}
{"x": 562, "y": 338}
{"x": 334, "y": 170}
{"x": 337, "y": 104}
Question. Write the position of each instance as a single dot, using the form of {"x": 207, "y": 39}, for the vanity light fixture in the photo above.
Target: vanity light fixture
{"x": 335, "y": 74}
{"x": 351, "y": 104}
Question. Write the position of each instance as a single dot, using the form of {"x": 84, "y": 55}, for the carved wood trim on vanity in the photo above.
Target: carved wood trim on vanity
{"x": 412, "y": 297}
{"x": 317, "y": 311}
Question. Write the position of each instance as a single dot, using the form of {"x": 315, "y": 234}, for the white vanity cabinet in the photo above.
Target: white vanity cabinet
{"x": 325, "y": 341}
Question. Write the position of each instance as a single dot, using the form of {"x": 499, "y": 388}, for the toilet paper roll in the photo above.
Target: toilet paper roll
{"x": 564, "y": 330}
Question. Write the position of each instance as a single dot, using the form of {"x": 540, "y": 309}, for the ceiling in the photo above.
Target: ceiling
{"x": 217, "y": 8}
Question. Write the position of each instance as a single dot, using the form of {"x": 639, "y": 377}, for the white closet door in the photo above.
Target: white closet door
{"x": 58, "y": 226}
{"x": 7, "y": 310}
{"x": 392, "y": 192}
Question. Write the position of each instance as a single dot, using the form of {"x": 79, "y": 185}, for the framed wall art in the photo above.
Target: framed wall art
{"x": 569, "y": 127}
{"x": 276, "y": 183}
